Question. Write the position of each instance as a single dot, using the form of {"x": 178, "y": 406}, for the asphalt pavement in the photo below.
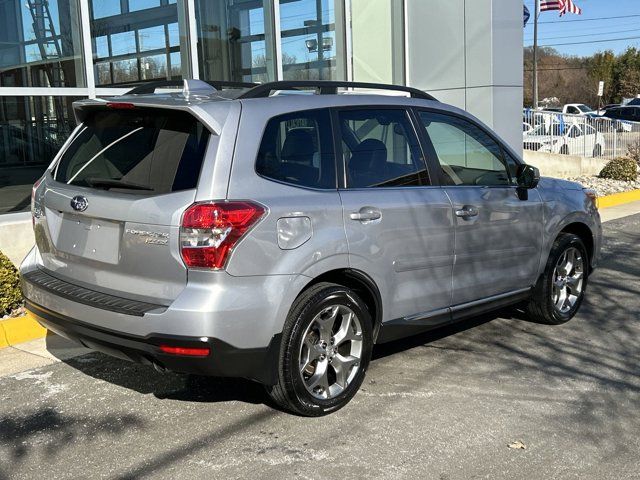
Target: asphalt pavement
{"x": 445, "y": 405}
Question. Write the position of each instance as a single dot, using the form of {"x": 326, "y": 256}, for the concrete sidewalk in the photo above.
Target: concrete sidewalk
{"x": 38, "y": 353}
{"x": 620, "y": 211}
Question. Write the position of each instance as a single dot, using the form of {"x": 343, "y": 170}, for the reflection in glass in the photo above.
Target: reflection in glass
{"x": 40, "y": 44}
{"x": 32, "y": 130}
{"x": 134, "y": 41}
{"x": 310, "y": 47}
{"x": 233, "y": 43}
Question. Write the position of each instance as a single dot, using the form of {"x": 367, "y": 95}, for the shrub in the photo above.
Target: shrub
{"x": 10, "y": 294}
{"x": 623, "y": 168}
{"x": 633, "y": 151}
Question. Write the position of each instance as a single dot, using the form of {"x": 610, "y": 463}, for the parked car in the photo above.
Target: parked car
{"x": 634, "y": 102}
{"x": 624, "y": 116}
{"x": 566, "y": 139}
{"x": 251, "y": 233}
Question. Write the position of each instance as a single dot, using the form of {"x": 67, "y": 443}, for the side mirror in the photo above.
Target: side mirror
{"x": 528, "y": 177}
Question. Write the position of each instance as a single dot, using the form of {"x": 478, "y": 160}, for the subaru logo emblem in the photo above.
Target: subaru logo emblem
{"x": 79, "y": 203}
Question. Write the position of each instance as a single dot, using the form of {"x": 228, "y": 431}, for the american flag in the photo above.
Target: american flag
{"x": 564, "y": 6}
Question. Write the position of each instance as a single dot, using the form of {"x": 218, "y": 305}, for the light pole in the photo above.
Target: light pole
{"x": 535, "y": 54}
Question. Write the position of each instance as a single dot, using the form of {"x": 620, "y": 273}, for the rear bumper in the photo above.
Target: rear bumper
{"x": 224, "y": 360}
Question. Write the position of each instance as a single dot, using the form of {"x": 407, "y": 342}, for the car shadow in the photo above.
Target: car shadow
{"x": 146, "y": 380}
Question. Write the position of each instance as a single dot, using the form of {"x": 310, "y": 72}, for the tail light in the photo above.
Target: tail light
{"x": 209, "y": 231}
{"x": 35, "y": 210}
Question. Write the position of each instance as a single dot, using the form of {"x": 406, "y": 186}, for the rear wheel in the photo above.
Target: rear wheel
{"x": 560, "y": 290}
{"x": 326, "y": 348}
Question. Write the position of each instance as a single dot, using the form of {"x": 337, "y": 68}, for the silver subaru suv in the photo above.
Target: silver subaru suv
{"x": 277, "y": 232}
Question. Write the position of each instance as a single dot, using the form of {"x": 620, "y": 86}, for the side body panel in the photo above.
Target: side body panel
{"x": 498, "y": 250}
{"x": 408, "y": 252}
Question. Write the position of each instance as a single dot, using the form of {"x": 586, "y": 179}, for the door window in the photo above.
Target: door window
{"x": 297, "y": 148}
{"x": 380, "y": 149}
{"x": 467, "y": 155}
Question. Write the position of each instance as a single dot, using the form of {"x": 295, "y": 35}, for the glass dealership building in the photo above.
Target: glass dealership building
{"x": 464, "y": 52}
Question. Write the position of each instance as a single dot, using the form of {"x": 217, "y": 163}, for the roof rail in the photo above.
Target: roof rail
{"x": 325, "y": 87}
{"x": 188, "y": 86}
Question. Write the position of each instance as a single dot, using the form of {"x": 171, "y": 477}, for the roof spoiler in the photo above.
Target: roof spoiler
{"x": 328, "y": 88}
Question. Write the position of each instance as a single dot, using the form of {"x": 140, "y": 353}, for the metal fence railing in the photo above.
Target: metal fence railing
{"x": 586, "y": 136}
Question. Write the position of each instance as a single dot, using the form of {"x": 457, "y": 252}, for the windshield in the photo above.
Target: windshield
{"x": 142, "y": 150}
{"x": 585, "y": 108}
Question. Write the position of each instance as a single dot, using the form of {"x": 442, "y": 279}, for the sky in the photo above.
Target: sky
{"x": 592, "y": 27}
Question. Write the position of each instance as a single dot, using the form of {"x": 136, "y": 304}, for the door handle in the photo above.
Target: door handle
{"x": 366, "y": 214}
{"x": 467, "y": 212}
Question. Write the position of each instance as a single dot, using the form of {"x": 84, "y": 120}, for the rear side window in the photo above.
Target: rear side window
{"x": 297, "y": 148}
{"x": 148, "y": 151}
{"x": 380, "y": 149}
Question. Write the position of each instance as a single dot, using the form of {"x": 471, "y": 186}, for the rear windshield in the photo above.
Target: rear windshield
{"x": 142, "y": 150}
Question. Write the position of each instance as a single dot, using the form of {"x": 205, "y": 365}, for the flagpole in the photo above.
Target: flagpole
{"x": 535, "y": 54}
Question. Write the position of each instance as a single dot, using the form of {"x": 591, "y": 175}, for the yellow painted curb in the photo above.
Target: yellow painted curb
{"x": 618, "y": 199}
{"x": 19, "y": 330}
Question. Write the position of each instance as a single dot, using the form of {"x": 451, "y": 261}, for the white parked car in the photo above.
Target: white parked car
{"x": 567, "y": 139}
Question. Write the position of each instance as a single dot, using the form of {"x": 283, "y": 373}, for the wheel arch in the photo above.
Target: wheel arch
{"x": 585, "y": 234}
{"x": 359, "y": 282}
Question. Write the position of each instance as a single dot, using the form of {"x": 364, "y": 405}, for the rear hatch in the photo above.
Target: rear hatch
{"x": 111, "y": 206}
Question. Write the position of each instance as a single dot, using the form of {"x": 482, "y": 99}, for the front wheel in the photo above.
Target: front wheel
{"x": 325, "y": 352}
{"x": 560, "y": 290}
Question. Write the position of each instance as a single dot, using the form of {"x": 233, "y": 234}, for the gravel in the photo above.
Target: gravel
{"x": 605, "y": 186}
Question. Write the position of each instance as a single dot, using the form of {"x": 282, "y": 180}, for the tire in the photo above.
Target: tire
{"x": 546, "y": 304}
{"x": 303, "y": 340}
{"x": 597, "y": 151}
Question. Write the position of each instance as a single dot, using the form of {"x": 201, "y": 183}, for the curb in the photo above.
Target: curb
{"x": 618, "y": 199}
{"x": 20, "y": 329}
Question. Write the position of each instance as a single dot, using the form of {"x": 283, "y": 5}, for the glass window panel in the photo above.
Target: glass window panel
{"x": 176, "y": 66}
{"x": 142, "y": 43}
{"x": 32, "y": 130}
{"x": 103, "y": 73}
{"x": 125, "y": 71}
{"x": 309, "y": 46}
{"x": 135, "y": 5}
{"x": 233, "y": 40}
{"x": 174, "y": 35}
{"x": 297, "y": 148}
{"x": 46, "y": 33}
{"x": 102, "y": 46}
{"x": 123, "y": 43}
{"x": 377, "y": 39}
{"x": 467, "y": 155}
{"x": 154, "y": 67}
{"x": 105, "y": 8}
{"x": 379, "y": 149}
{"x": 153, "y": 38}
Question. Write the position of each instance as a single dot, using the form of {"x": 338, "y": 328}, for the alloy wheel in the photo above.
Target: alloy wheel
{"x": 331, "y": 351}
{"x": 568, "y": 280}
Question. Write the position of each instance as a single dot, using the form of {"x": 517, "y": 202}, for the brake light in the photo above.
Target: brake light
{"x": 120, "y": 105}
{"x": 186, "y": 351}
{"x": 209, "y": 231}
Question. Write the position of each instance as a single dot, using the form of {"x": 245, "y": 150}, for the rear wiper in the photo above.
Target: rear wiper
{"x": 108, "y": 183}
